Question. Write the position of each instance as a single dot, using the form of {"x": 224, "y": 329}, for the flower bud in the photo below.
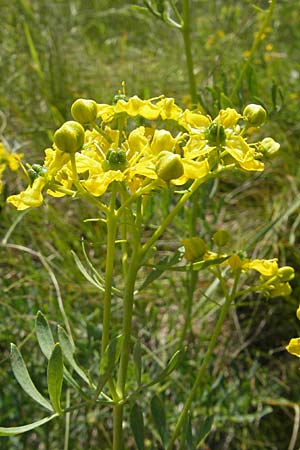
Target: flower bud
{"x": 268, "y": 146}
{"x": 298, "y": 313}
{"x": 69, "y": 137}
{"x": 169, "y": 166}
{"x": 84, "y": 111}
{"x": 194, "y": 247}
{"x": 215, "y": 134}
{"x": 221, "y": 238}
{"x": 255, "y": 115}
{"x": 286, "y": 273}
{"x": 280, "y": 290}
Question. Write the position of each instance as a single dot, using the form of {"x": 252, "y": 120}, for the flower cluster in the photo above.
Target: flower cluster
{"x": 10, "y": 160}
{"x": 169, "y": 146}
{"x": 273, "y": 280}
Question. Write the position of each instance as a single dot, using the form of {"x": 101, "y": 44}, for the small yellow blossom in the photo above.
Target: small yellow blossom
{"x": 8, "y": 160}
{"x": 294, "y": 347}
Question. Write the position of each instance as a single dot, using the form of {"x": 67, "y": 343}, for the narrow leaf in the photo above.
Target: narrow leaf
{"x": 12, "y": 431}
{"x": 204, "y": 429}
{"x": 108, "y": 361}
{"x": 55, "y": 377}
{"x": 22, "y": 376}
{"x": 33, "y": 52}
{"x": 68, "y": 352}
{"x": 111, "y": 355}
{"x": 44, "y": 334}
{"x": 85, "y": 273}
{"x": 159, "y": 417}
{"x": 137, "y": 425}
{"x": 173, "y": 363}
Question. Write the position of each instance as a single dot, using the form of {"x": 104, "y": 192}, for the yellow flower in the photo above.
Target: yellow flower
{"x": 294, "y": 347}
{"x": 10, "y": 160}
{"x": 266, "y": 267}
{"x": 31, "y": 197}
{"x": 134, "y": 106}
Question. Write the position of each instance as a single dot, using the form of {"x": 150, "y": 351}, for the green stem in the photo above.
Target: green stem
{"x": 110, "y": 254}
{"x": 133, "y": 268}
{"x": 186, "y": 33}
{"x": 192, "y": 275}
{"x": 217, "y": 330}
{"x": 160, "y": 230}
{"x": 256, "y": 42}
{"x": 68, "y": 418}
{"x": 118, "y": 442}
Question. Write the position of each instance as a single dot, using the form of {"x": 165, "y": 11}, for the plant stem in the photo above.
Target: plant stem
{"x": 192, "y": 275}
{"x": 133, "y": 268}
{"x": 186, "y": 33}
{"x": 160, "y": 230}
{"x": 110, "y": 254}
{"x": 217, "y": 330}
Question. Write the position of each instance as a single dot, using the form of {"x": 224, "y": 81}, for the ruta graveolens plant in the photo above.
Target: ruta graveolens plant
{"x": 116, "y": 157}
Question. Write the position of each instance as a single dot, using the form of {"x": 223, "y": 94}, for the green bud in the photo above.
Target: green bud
{"x": 286, "y": 273}
{"x": 221, "y": 238}
{"x": 69, "y": 137}
{"x": 84, "y": 111}
{"x": 255, "y": 115}
{"x": 169, "y": 166}
{"x": 280, "y": 290}
{"x": 215, "y": 134}
{"x": 195, "y": 248}
{"x": 115, "y": 160}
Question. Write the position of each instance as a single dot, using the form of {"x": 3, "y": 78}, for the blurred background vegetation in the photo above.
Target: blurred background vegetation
{"x": 53, "y": 52}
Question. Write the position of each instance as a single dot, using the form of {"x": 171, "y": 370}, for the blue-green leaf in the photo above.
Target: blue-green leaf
{"x": 55, "y": 377}
{"x": 12, "y": 431}
{"x": 44, "y": 334}
{"x": 68, "y": 352}
{"x": 22, "y": 376}
{"x": 137, "y": 425}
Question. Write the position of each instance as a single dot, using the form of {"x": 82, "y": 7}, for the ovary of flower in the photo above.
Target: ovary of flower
{"x": 31, "y": 197}
{"x": 294, "y": 347}
{"x": 99, "y": 179}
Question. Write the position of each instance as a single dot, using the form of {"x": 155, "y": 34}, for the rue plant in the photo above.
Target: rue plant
{"x": 117, "y": 157}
